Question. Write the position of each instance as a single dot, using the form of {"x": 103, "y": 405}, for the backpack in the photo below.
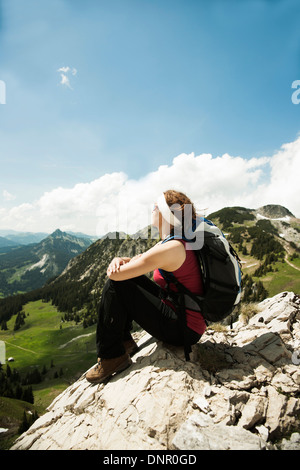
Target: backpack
{"x": 220, "y": 268}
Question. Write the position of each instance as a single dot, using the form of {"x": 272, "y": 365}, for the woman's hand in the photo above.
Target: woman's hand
{"x": 115, "y": 264}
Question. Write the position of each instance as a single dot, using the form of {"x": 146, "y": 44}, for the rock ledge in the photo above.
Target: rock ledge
{"x": 239, "y": 391}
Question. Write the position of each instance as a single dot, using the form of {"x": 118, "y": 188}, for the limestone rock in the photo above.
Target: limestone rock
{"x": 201, "y": 433}
{"x": 239, "y": 391}
{"x": 291, "y": 444}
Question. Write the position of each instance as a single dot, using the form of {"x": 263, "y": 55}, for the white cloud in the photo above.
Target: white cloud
{"x": 284, "y": 184}
{"x": 113, "y": 201}
{"x": 64, "y": 71}
{"x": 8, "y": 196}
{"x": 65, "y": 81}
{"x": 68, "y": 69}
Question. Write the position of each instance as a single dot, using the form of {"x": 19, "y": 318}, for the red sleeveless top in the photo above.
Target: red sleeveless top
{"x": 190, "y": 276}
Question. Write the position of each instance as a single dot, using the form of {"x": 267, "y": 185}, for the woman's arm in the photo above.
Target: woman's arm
{"x": 168, "y": 256}
{"x": 117, "y": 262}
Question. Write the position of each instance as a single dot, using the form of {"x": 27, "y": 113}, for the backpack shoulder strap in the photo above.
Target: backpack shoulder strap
{"x": 169, "y": 277}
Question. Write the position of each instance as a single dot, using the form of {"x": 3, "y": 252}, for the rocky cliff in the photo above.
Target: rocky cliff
{"x": 239, "y": 391}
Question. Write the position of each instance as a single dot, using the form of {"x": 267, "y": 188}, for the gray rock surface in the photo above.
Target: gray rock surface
{"x": 239, "y": 391}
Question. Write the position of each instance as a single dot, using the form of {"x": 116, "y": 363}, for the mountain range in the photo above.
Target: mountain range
{"x": 24, "y": 268}
{"x": 13, "y": 238}
{"x": 267, "y": 240}
{"x": 264, "y": 244}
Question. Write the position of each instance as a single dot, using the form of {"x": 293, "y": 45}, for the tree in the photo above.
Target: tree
{"x": 20, "y": 320}
{"x": 8, "y": 371}
{"x": 28, "y": 395}
{"x": 27, "y": 422}
{"x": 18, "y": 392}
{"x": 24, "y": 424}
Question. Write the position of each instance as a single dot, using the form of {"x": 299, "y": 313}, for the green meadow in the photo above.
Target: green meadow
{"x": 284, "y": 277}
{"x": 62, "y": 350}
{"x": 287, "y": 278}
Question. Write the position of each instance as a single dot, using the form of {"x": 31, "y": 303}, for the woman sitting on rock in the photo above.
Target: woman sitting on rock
{"x": 130, "y": 295}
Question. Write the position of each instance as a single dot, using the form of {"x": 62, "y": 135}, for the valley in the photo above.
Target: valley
{"x": 57, "y": 351}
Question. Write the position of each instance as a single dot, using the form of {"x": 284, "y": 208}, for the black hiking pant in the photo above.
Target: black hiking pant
{"x": 136, "y": 299}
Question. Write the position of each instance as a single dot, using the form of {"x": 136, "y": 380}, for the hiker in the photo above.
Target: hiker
{"x": 130, "y": 295}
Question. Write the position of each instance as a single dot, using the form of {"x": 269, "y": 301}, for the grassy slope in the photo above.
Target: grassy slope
{"x": 11, "y": 414}
{"x": 38, "y": 343}
{"x": 287, "y": 278}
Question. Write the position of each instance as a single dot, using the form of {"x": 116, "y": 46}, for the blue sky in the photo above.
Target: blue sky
{"x": 144, "y": 81}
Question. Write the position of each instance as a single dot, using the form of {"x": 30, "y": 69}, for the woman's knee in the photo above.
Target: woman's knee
{"x": 112, "y": 285}
{"x": 107, "y": 286}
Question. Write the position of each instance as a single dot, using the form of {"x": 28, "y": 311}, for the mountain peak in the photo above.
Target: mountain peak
{"x": 57, "y": 233}
{"x": 274, "y": 211}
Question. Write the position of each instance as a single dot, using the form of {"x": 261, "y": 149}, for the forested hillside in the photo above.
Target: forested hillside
{"x": 25, "y": 268}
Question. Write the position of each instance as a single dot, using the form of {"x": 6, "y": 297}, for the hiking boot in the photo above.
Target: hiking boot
{"x": 107, "y": 367}
{"x": 130, "y": 346}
